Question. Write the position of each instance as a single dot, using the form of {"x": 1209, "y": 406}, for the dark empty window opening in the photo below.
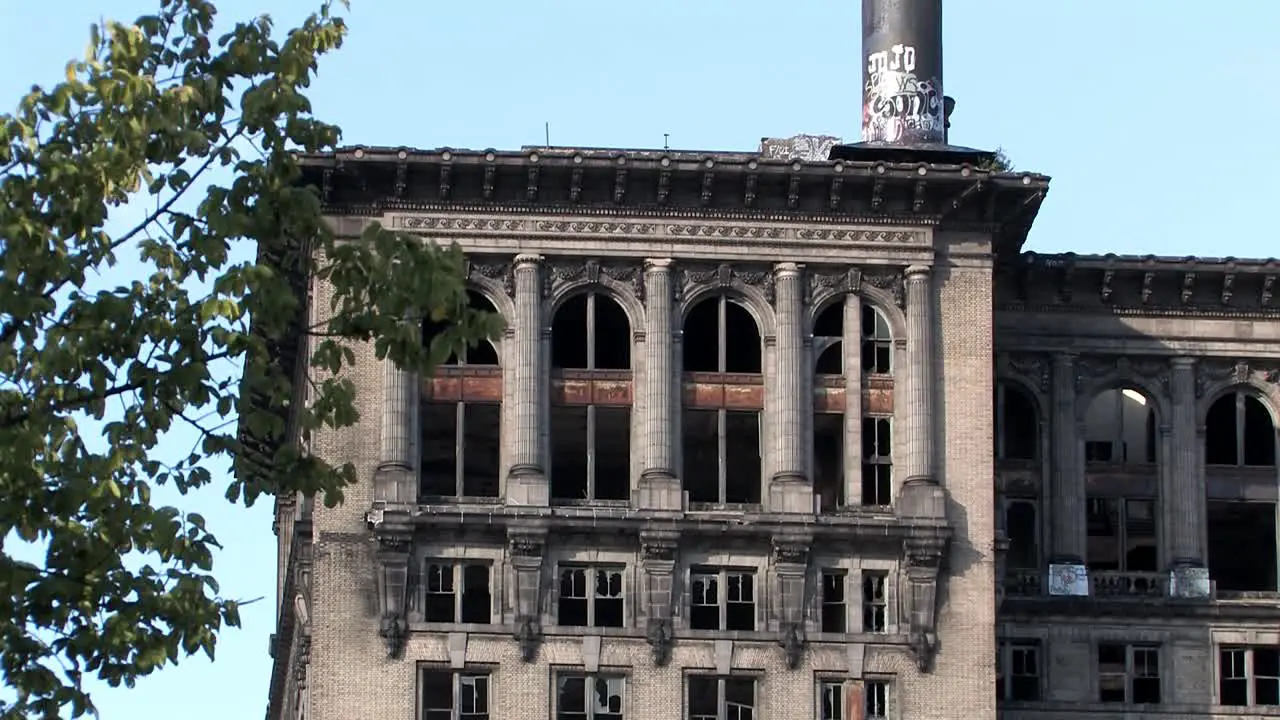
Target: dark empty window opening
{"x": 721, "y": 336}
{"x": 875, "y": 705}
{"x": 1022, "y": 530}
{"x": 721, "y": 451}
{"x": 875, "y": 601}
{"x": 444, "y": 602}
{"x": 482, "y": 353}
{"x": 877, "y": 342}
{"x": 721, "y": 698}
{"x": 835, "y": 611}
{"x": 722, "y": 600}
{"x": 1120, "y": 427}
{"x": 1128, "y": 673}
{"x": 590, "y": 597}
{"x": 1121, "y": 534}
{"x": 828, "y": 340}
{"x": 591, "y": 332}
{"x": 828, "y": 459}
{"x": 1242, "y": 545}
{"x": 589, "y": 697}
{"x": 448, "y": 695}
{"x": 1249, "y": 677}
{"x": 831, "y": 700}
{"x": 1017, "y": 424}
{"x": 1018, "y": 670}
{"x": 1238, "y": 431}
{"x": 590, "y": 452}
{"x": 460, "y": 448}
{"x": 877, "y": 461}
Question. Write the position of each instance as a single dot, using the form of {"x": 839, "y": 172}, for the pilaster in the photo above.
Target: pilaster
{"x": 395, "y": 480}
{"x": 852, "y": 346}
{"x": 527, "y": 482}
{"x": 921, "y": 495}
{"x": 790, "y": 490}
{"x": 1186, "y": 489}
{"x": 1067, "y": 573}
{"x": 659, "y": 489}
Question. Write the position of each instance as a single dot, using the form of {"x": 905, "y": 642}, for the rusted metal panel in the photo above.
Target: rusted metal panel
{"x": 854, "y": 705}
{"x": 487, "y": 389}
{"x": 878, "y": 401}
{"x": 746, "y": 397}
{"x": 706, "y": 395}
{"x": 828, "y": 400}
{"x": 573, "y": 392}
{"x": 611, "y": 392}
{"x": 445, "y": 388}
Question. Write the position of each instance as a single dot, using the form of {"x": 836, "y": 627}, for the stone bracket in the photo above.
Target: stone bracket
{"x": 791, "y": 563}
{"x": 525, "y": 550}
{"x": 923, "y": 559}
{"x": 658, "y": 554}
{"x": 393, "y": 556}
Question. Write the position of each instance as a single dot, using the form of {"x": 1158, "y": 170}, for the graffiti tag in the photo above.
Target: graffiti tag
{"x": 899, "y": 106}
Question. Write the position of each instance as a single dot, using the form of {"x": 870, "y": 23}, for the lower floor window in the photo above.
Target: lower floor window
{"x": 721, "y": 698}
{"x": 449, "y": 695}
{"x": 589, "y": 697}
{"x": 836, "y": 700}
{"x": 1249, "y": 676}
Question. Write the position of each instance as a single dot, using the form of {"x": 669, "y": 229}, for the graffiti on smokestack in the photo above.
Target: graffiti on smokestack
{"x": 898, "y": 104}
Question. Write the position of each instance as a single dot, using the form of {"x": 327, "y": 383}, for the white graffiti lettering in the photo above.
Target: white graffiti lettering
{"x": 898, "y": 105}
{"x": 897, "y": 58}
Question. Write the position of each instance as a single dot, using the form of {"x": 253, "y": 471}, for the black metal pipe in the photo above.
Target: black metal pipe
{"x": 902, "y": 100}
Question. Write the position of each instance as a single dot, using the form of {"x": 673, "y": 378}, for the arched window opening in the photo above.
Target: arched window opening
{"x": 877, "y": 342}
{"x": 591, "y": 400}
{"x": 720, "y": 421}
{"x": 460, "y": 419}
{"x": 1017, "y": 424}
{"x": 828, "y": 336}
{"x": 482, "y": 353}
{"x": 1122, "y": 534}
{"x": 1120, "y": 427}
{"x": 830, "y": 399}
{"x": 1238, "y": 431}
{"x": 1021, "y": 528}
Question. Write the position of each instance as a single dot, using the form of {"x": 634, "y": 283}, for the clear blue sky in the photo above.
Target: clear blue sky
{"x": 1156, "y": 119}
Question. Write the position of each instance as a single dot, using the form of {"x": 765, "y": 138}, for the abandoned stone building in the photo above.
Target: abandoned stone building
{"x": 799, "y": 433}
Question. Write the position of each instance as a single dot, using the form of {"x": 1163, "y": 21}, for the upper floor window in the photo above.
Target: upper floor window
{"x": 1238, "y": 431}
{"x": 835, "y": 609}
{"x": 1018, "y": 670}
{"x": 449, "y": 695}
{"x": 1017, "y": 424}
{"x": 877, "y": 461}
{"x": 589, "y": 696}
{"x": 721, "y": 698}
{"x": 457, "y": 592}
{"x": 591, "y": 400}
{"x": 482, "y": 354}
{"x": 877, "y": 342}
{"x": 721, "y": 336}
{"x": 590, "y": 597}
{"x": 1121, "y": 534}
{"x": 829, "y": 401}
{"x": 722, "y": 599}
{"x": 1023, "y": 532}
{"x": 1249, "y": 676}
{"x": 1128, "y": 673}
{"x": 1120, "y": 427}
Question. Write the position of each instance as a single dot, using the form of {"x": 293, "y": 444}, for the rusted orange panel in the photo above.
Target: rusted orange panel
{"x": 488, "y": 389}
{"x": 707, "y": 395}
{"x": 830, "y": 400}
{"x": 878, "y": 400}
{"x": 611, "y": 392}
{"x": 854, "y": 705}
{"x": 744, "y": 396}
{"x": 557, "y": 392}
{"x": 446, "y": 388}
{"x": 577, "y": 392}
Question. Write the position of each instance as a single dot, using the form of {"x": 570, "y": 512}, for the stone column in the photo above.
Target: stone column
{"x": 659, "y": 488}
{"x": 1067, "y": 575}
{"x": 395, "y": 481}
{"x": 921, "y": 496}
{"x": 852, "y": 399}
{"x": 1186, "y": 492}
{"x": 790, "y": 490}
{"x": 527, "y": 482}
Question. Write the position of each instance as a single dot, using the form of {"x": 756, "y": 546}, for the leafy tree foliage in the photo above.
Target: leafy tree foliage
{"x": 92, "y": 380}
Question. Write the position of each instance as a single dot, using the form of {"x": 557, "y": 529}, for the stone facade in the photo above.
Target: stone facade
{"x": 735, "y": 450}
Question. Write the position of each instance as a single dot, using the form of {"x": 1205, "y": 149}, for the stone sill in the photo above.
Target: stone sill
{"x": 638, "y": 633}
{"x": 1122, "y": 710}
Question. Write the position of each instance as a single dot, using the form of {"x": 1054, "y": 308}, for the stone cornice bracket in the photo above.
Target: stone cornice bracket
{"x": 393, "y": 555}
{"x": 657, "y": 561}
{"x": 922, "y": 562}
{"x": 888, "y": 279}
{"x": 500, "y": 272}
{"x": 525, "y": 552}
{"x": 791, "y": 563}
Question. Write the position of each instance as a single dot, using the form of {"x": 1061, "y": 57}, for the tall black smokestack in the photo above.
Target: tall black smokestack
{"x": 904, "y": 111}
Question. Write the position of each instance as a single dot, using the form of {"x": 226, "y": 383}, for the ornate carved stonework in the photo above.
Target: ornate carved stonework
{"x": 1032, "y": 368}
{"x": 663, "y": 550}
{"x": 564, "y": 272}
{"x": 887, "y": 279}
{"x": 526, "y": 545}
{"x": 790, "y": 551}
{"x": 824, "y": 281}
{"x": 1155, "y": 371}
{"x": 860, "y": 236}
{"x": 724, "y": 276}
{"x": 494, "y": 270}
{"x": 1212, "y": 374}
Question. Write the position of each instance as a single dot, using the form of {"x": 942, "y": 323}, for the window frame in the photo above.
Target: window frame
{"x": 1131, "y": 650}
{"x": 722, "y": 703}
{"x": 865, "y": 604}
{"x": 886, "y": 688}
{"x": 1005, "y": 652}
{"x": 589, "y": 678}
{"x": 1121, "y": 537}
{"x": 877, "y": 460}
{"x": 458, "y": 576}
{"x": 1250, "y": 676}
{"x": 722, "y": 454}
{"x": 1003, "y": 388}
{"x": 721, "y": 575}
{"x": 875, "y": 341}
{"x": 455, "y": 683}
{"x": 460, "y": 450}
{"x": 1242, "y": 397}
{"x": 844, "y": 583}
{"x": 821, "y": 686}
{"x": 592, "y": 569}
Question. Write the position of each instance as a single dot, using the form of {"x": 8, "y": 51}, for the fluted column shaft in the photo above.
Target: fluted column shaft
{"x": 918, "y": 463}
{"x": 1187, "y": 492}
{"x": 852, "y": 399}
{"x": 657, "y": 370}
{"x": 1068, "y": 492}
{"x": 396, "y": 481}
{"x": 526, "y": 460}
{"x": 789, "y": 303}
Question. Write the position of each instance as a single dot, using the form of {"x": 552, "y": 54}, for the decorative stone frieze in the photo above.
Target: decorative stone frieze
{"x": 724, "y": 276}
{"x": 561, "y": 273}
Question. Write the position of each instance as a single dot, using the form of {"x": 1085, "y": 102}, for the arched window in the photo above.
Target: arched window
{"x": 1120, "y": 430}
{"x": 877, "y": 342}
{"x": 877, "y": 414}
{"x": 460, "y": 418}
{"x": 1017, "y": 424}
{"x": 591, "y": 400}
{"x": 829, "y": 403}
{"x": 1238, "y": 431}
{"x": 723, "y": 396}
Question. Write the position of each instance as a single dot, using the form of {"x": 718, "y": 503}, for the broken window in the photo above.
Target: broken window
{"x": 1238, "y": 431}
{"x": 1234, "y": 525}
{"x": 590, "y": 413}
{"x": 460, "y": 449}
{"x": 828, "y": 337}
{"x": 1249, "y": 676}
{"x": 589, "y": 697}
{"x": 875, "y": 601}
{"x": 1022, "y": 530}
{"x": 831, "y": 700}
{"x": 877, "y": 342}
{"x": 828, "y": 421}
{"x": 722, "y": 456}
{"x": 721, "y": 698}
{"x": 1120, "y": 427}
{"x": 457, "y": 592}
{"x": 448, "y": 695}
{"x": 590, "y": 597}
{"x": 1018, "y": 670}
{"x": 834, "y": 611}
{"x": 828, "y": 459}
{"x": 1128, "y": 673}
{"x": 482, "y": 354}
{"x": 1121, "y": 534}
{"x": 1017, "y": 424}
{"x": 721, "y": 336}
{"x": 877, "y": 460}
{"x": 722, "y": 600}
{"x": 875, "y": 703}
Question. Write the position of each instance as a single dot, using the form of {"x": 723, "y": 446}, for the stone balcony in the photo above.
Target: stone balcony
{"x": 1111, "y": 584}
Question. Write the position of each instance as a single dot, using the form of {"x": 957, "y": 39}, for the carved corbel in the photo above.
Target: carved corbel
{"x": 791, "y": 563}
{"x": 393, "y": 556}
{"x": 1228, "y": 280}
{"x": 658, "y": 554}
{"x": 1188, "y": 286}
{"x": 525, "y": 552}
{"x": 923, "y": 562}
{"x": 833, "y": 199}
